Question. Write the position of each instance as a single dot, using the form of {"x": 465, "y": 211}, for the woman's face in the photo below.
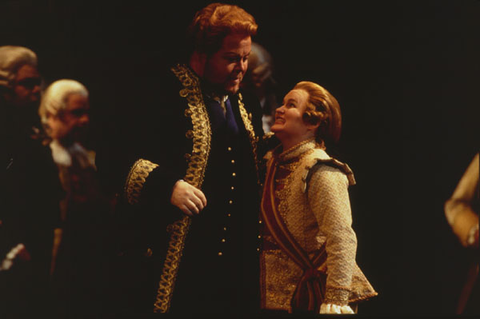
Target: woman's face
{"x": 289, "y": 121}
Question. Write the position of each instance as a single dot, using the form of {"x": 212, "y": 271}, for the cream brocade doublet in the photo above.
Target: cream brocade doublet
{"x": 314, "y": 214}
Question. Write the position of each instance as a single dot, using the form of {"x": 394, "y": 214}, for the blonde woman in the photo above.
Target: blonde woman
{"x": 308, "y": 257}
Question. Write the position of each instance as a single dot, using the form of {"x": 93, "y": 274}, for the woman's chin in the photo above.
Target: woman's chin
{"x": 275, "y": 128}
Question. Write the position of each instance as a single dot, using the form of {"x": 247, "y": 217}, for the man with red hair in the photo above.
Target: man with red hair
{"x": 198, "y": 173}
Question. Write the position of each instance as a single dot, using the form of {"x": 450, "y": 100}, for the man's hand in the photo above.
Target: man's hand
{"x": 189, "y": 199}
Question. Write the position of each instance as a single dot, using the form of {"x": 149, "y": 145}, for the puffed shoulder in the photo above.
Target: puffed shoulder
{"x": 343, "y": 167}
{"x": 319, "y": 158}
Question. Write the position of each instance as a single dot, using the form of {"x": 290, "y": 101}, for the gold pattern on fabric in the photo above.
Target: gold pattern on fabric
{"x": 269, "y": 239}
{"x": 281, "y": 278}
{"x": 282, "y": 196}
{"x": 247, "y": 121}
{"x": 201, "y": 137}
{"x": 337, "y": 296}
{"x": 288, "y": 166}
{"x": 136, "y": 179}
{"x": 297, "y": 150}
{"x": 291, "y": 165}
{"x": 201, "y": 133}
{"x": 311, "y": 215}
{"x": 178, "y": 233}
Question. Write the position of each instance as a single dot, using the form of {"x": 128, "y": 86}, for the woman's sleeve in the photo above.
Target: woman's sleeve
{"x": 328, "y": 197}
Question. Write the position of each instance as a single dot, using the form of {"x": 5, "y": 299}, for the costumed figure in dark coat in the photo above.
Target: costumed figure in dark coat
{"x": 80, "y": 252}
{"x": 30, "y": 189}
{"x": 197, "y": 178}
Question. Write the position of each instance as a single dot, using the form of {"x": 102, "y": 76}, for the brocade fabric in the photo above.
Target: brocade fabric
{"x": 311, "y": 195}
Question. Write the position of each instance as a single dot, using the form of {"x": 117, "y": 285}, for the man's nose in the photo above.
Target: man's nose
{"x": 242, "y": 66}
{"x": 36, "y": 88}
{"x": 84, "y": 120}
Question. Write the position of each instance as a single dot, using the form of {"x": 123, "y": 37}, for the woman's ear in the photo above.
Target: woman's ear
{"x": 312, "y": 123}
{"x": 312, "y": 126}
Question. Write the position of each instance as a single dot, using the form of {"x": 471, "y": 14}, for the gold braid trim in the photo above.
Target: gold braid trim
{"x": 247, "y": 121}
{"x": 195, "y": 174}
{"x": 136, "y": 178}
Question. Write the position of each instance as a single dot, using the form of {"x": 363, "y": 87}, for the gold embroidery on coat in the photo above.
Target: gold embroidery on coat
{"x": 201, "y": 136}
{"x": 136, "y": 179}
{"x": 247, "y": 121}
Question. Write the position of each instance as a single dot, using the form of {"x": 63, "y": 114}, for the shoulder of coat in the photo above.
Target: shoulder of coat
{"x": 318, "y": 158}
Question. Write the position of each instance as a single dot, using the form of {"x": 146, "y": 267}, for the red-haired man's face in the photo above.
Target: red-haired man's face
{"x": 226, "y": 68}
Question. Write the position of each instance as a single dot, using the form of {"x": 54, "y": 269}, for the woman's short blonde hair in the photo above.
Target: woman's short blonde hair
{"x": 322, "y": 108}
{"x": 217, "y": 20}
{"x": 55, "y": 98}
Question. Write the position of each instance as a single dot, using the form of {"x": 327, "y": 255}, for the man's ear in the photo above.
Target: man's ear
{"x": 197, "y": 62}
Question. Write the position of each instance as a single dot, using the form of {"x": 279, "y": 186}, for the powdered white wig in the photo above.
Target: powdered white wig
{"x": 54, "y": 100}
{"x": 11, "y": 59}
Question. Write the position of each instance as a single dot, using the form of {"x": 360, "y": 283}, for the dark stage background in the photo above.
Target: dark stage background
{"x": 406, "y": 74}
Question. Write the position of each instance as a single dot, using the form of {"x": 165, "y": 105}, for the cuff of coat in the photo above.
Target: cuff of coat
{"x": 336, "y": 296}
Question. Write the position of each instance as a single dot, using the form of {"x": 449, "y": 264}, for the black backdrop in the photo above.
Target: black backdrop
{"x": 406, "y": 74}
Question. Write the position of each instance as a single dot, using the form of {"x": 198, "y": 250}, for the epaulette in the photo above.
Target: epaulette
{"x": 310, "y": 170}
